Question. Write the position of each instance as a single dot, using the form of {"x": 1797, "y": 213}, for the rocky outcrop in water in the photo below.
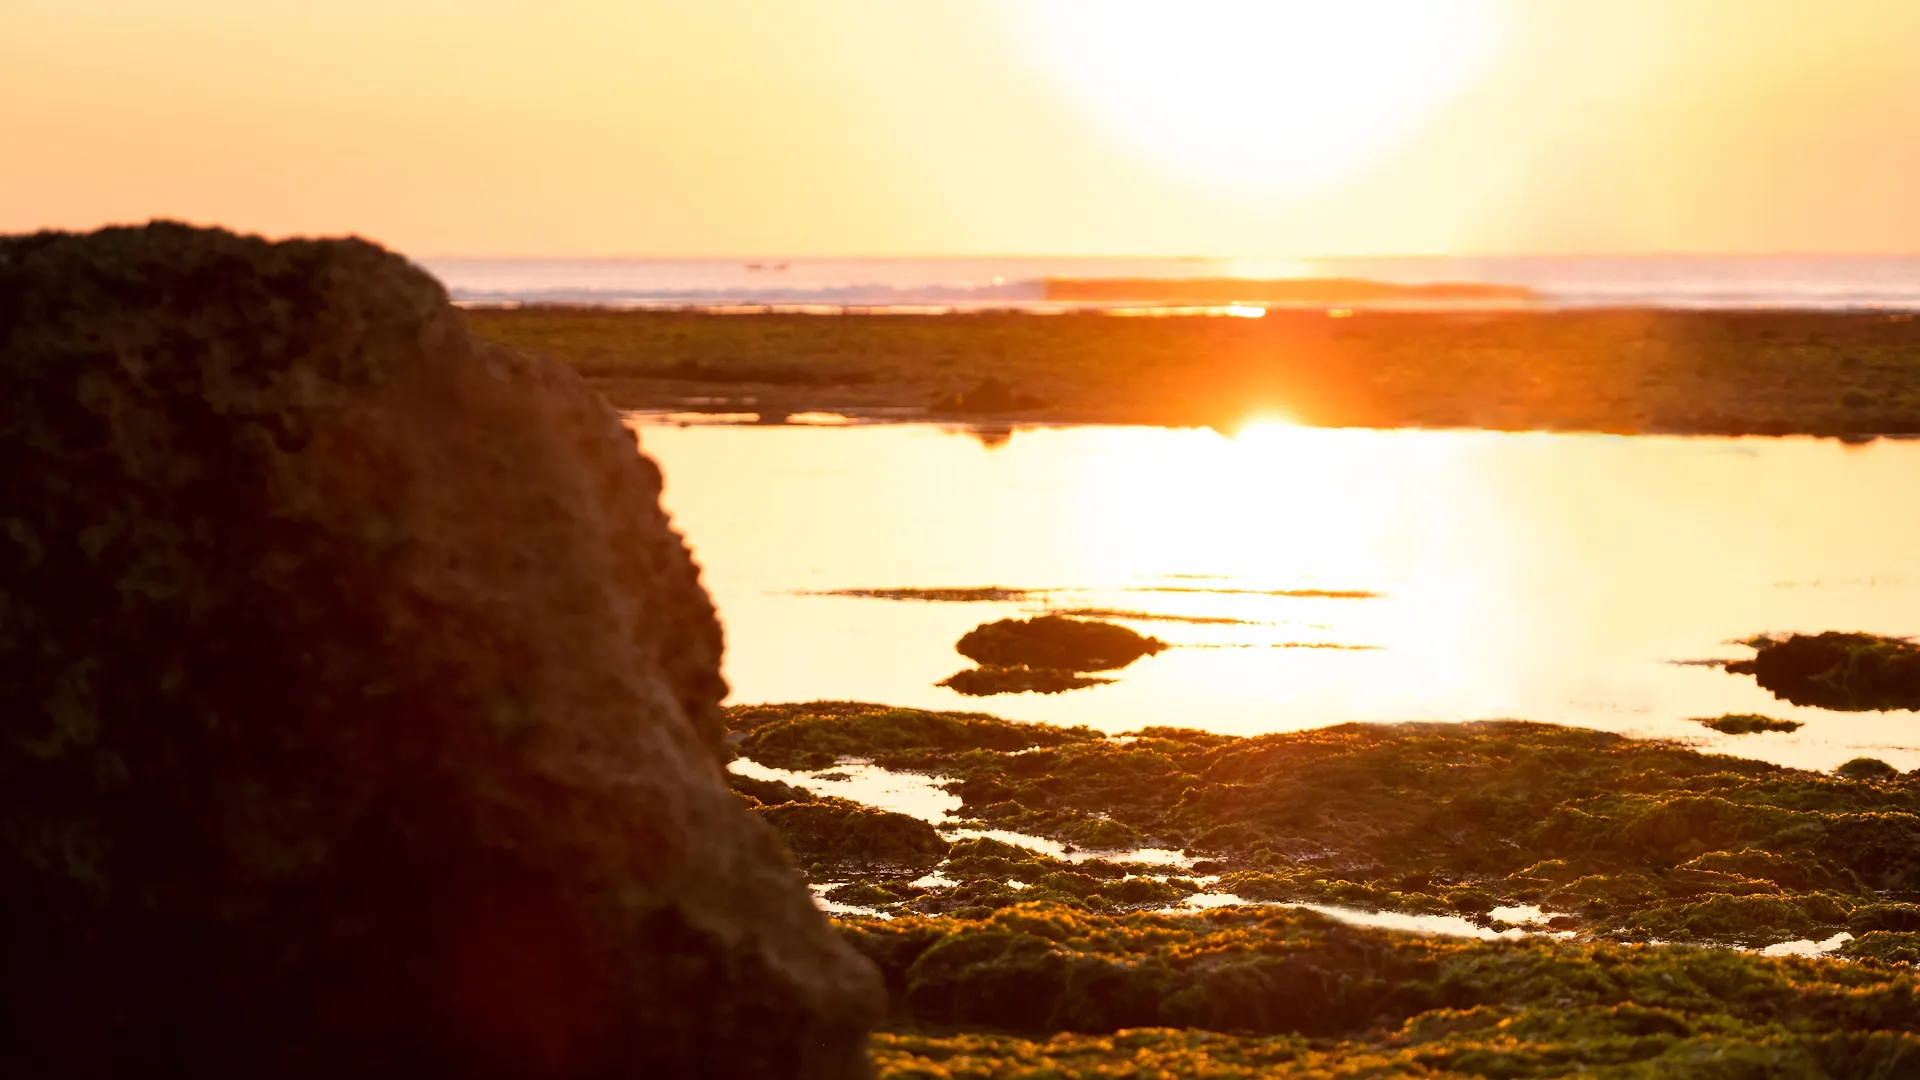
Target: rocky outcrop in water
{"x": 1849, "y": 672}
{"x": 989, "y": 680}
{"x": 1044, "y": 655}
{"x": 1051, "y": 641}
{"x": 359, "y": 704}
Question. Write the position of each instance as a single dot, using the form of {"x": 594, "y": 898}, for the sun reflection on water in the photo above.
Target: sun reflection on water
{"x": 1544, "y": 577}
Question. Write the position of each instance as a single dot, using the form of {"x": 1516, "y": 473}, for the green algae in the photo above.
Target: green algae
{"x": 1040, "y": 991}
{"x": 1842, "y": 671}
{"x": 990, "y": 680}
{"x": 1884, "y": 946}
{"x": 1746, "y": 723}
{"x": 817, "y": 734}
{"x": 1866, "y": 768}
{"x": 1041, "y": 968}
{"x": 767, "y": 792}
{"x": 1013, "y": 962}
{"x": 836, "y": 831}
{"x": 1052, "y": 641}
{"x": 1623, "y": 1042}
{"x": 1624, "y": 838}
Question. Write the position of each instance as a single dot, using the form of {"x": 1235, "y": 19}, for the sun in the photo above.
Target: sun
{"x": 1260, "y": 95}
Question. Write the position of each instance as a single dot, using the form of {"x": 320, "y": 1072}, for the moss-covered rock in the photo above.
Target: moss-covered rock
{"x": 1043, "y": 968}
{"x": 1051, "y": 641}
{"x": 1746, "y": 723}
{"x": 991, "y": 680}
{"x": 1833, "y": 670}
{"x": 768, "y": 792}
{"x": 1636, "y": 838}
{"x": 842, "y": 832}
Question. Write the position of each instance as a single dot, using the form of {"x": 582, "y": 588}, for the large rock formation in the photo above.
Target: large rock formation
{"x": 358, "y": 706}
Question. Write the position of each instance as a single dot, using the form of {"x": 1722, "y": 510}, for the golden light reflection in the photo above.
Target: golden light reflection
{"x": 1545, "y": 577}
{"x": 1261, "y": 95}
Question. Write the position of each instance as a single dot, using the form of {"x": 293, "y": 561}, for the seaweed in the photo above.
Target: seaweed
{"x": 1541, "y": 1042}
{"x": 817, "y": 734}
{"x": 988, "y": 680}
{"x": 1626, "y": 838}
{"x": 1746, "y": 723}
{"x": 768, "y": 792}
{"x": 1051, "y": 641}
{"x": 1866, "y": 768}
{"x": 830, "y": 830}
{"x": 1848, "y": 672}
{"x": 1040, "y": 968}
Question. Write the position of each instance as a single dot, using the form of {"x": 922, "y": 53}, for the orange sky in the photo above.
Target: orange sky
{"x": 648, "y": 127}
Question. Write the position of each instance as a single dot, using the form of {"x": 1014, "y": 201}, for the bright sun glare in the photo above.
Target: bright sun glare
{"x": 1260, "y": 95}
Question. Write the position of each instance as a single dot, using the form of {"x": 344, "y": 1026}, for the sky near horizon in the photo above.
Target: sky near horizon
{"x": 880, "y": 127}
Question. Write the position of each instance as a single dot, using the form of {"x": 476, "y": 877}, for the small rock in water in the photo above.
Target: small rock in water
{"x": 1746, "y": 723}
{"x": 1051, "y": 641}
{"x": 1850, "y": 672}
{"x": 989, "y": 680}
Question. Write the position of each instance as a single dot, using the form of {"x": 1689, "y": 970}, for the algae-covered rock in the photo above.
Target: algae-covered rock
{"x": 1040, "y": 968}
{"x": 833, "y": 830}
{"x": 1746, "y": 723}
{"x": 1866, "y": 768}
{"x": 991, "y": 680}
{"x": 358, "y": 702}
{"x": 1051, "y": 641}
{"x": 1852, "y": 672}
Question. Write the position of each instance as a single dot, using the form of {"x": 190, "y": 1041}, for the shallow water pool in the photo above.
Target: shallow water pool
{"x": 1356, "y": 575}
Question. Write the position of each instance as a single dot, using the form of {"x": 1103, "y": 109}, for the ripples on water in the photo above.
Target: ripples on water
{"x": 1546, "y": 577}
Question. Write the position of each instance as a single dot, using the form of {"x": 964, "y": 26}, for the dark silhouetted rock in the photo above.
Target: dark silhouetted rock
{"x": 1852, "y": 672}
{"x": 1746, "y": 723}
{"x": 989, "y": 681}
{"x": 1051, "y": 641}
{"x": 359, "y": 704}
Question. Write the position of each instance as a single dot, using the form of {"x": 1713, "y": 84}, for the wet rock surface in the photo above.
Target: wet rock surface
{"x": 1746, "y": 723}
{"x": 1849, "y": 672}
{"x": 1632, "y": 839}
{"x": 990, "y": 680}
{"x": 1051, "y": 641}
{"x": 1010, "y": 962}
{"x": 1038, "y": 990}
{"x": 842, "y": 832}
{"x": 1044, "y": 655}
{"x": 360, "y": 706}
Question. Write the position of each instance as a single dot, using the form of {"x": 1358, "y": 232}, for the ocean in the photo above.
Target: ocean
{"x": 1802, "y": 282}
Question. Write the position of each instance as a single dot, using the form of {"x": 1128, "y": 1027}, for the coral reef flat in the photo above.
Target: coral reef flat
{"x": 1609, "y": 906}
{"x": 1700, "y": 372}
{"x": 1585, "y": 831}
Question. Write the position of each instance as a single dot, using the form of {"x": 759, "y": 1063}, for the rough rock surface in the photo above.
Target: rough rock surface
{"x": 1832, "y": 670}
{"x": 358, "y": 703}
{"x": 1050, "y": 641}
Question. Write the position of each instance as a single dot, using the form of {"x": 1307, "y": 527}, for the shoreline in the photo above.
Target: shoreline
{"x": 1626, "y": 371}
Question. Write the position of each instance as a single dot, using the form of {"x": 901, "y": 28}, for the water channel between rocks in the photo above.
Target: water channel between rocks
{"x": 924, "y": 797}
